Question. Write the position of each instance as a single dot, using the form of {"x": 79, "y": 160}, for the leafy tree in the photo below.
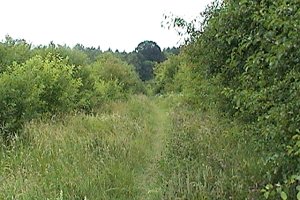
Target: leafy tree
{"x": 150, "y": 51}
{"x": 144, "y": 58}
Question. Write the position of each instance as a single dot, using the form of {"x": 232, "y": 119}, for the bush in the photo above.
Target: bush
{"x": 39, "y": 86}
{"x": 110, "y": 68}
{"x": 246, "y": 61}
{"x": 165, "y": 74}
{"x": 19, "y": 101}
{"x": 12, "y": 50}
{"x": 107, "y": 79}
{"x": 73, "y": 56}
{"x": 253, "y": 49}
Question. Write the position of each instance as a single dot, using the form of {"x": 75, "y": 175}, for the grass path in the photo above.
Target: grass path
{"x": 112, "y": 155}
{"x": 148, "y": 179}
{"x": 139, "y": 150}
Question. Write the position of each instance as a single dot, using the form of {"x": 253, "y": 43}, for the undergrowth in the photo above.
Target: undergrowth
{"x": 208, "y": 157}
{"x": 81, "y": 157}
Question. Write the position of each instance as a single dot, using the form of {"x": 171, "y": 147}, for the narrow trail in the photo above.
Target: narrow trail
{"x": 114, "y": 155}
{"x": 148, "y": 179}
{"x": 132, "y": 150}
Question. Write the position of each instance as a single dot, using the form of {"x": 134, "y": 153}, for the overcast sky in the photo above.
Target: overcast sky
{"x": 118, "y": 24}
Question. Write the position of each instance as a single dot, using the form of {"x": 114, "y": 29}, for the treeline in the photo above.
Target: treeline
{"x": 51, "y": 80}
{"x": 242, "y": 60}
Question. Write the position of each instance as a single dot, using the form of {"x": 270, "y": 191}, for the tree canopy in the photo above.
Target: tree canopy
{"x": 144, "y": 58}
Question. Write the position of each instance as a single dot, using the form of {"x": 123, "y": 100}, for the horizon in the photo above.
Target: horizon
{"x": 115, "y": 25}
{"x": 73, "y": 46}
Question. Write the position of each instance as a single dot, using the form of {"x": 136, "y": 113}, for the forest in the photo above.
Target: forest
{"x": 216, "y": 118}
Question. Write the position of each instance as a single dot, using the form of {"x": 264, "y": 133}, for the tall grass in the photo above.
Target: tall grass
{"x": 81, "y": 157}
{"x": 207, "y": 157}
{"x": 146, "y": 148}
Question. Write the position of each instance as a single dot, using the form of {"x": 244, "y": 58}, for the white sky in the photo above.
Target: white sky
{"x": 118, "y": 24}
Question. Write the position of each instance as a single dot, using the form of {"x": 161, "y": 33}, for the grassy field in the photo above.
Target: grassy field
{"x": 141, "y": 149}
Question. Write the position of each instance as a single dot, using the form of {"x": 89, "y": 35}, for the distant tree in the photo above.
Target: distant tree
{"x": 171, "y": 51}
{"x": 74, "y": 56}
{"x": 93, "y": 53}
{"x": 150, "y": 51}
{"x": 79, "y": 47}
{"x": 144, "y": 58}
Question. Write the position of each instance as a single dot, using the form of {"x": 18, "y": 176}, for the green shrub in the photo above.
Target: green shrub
{"x": 19, "y": 100}
{"x": 110, "y": 68}
{"x": 108, "y": 79}
{"x": 38, "y": 86}
{"x": 253, "y": 49}
{"x": 85, "y": 98}
{"x": 73, "y": 56}
{"x": 13, "y": 50}
{"x": 165, "y": 74}
{"x": 246, "y": 61}
{"x": 55, "y": 78}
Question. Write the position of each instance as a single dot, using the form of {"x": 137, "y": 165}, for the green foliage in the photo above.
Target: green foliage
{"x": 73, "y": 56}
{"x": 110, "y": 68}
{"x": 12, "y": 50}
{"x": 86, "y": 98}
{"x": 244, "y": 59}
{"x": 245, "y": 62}
{"x": 55, "y": 77}
{"x": 171, "y": 51}
{"x": 271, "y": 191}
{"x": 36, "y": 87}
{"x": 165, "y": 73}
{"x": 180, "y": 74}
{"x": 83, "y": 156}
{"x": 47, "y": 80}
{"x": 106, "y": 91}
{"x": 144, "y": 58}
{"x": 91, "y": 52}
{"x": 145, "y": 70}
{"x": 207, "y": 157}
{"x": 241, "y": 62}
{"x": 19, "y": 100}
{"x": 150, "y": 51}
{"x": 107, "y": 79}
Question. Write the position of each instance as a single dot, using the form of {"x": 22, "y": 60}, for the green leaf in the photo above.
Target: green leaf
{"x": 283, "y": 195}
{"x": 298, "y": 196}
{"x": 266, "y": 195}
{"x": 269, "y": 186}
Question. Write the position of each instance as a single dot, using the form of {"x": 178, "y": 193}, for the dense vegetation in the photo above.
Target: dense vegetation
{"x": 217, "y": 118}
{"x": 53, "y": 80}
{"x": 243, "y": 62}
